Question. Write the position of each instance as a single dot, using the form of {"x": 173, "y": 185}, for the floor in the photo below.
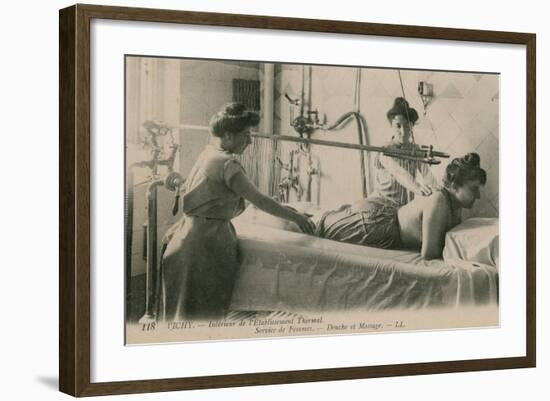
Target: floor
{"x": 135, "y": 305}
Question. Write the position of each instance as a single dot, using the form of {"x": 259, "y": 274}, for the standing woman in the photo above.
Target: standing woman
{"x": 398, "y": 180}
{"x": 200, "y": 259}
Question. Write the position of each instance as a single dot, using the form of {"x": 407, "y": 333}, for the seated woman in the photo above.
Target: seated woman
{"x": 421, "y": 224}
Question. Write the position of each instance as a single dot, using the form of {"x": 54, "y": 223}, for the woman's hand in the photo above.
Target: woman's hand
{"x": 404, "y": 177}
{"x": 423, "y": 190}
{"x": 243, "y": 187}
{"x": 305, "y": 223}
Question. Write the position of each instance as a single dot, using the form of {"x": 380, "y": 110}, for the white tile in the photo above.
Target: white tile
{"x": 463, "y": 82}
{"x": 460, "y": 147}
{"x": 487, "y": 87}
{"x": 450, "y": 91}
{"x": 488, "y": 149}
{"x": 489, "y": 116}
{"x": 446, "y": 134}
{"x": 437, "y": 113}
{"x": 425, "y": 137}
{"x": 463, "y": 111}
{"x": 339, "y": 81}
{"x": 476, "y": 132}
{"x": 379, "y": 90}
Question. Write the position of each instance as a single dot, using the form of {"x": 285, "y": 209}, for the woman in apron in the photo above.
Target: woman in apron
{"x": 200, "y": 259}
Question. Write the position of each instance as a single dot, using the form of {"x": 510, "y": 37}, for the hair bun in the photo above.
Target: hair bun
{"x": 401, "y": 102}
{"x": 234, "y": 109}
{"x": 401, "y": 107}
{"x": 471, "y": 160}
{"x": 464, "y": 168}
{"x": 233, "y": 118}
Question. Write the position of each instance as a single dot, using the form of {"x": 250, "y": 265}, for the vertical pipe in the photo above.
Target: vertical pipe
{"x": 268, "y": 112}
{"x": 151, "y": 197}
{"x": 309, "y": 88}
{"x": 291, "y": 175}
{"x": 269, "y": 84}
{"x": 150, "y": 282}
{"x": 303, "y": 93}
{"x": 307, "y": 147}
{"x": 361, "y": 154}
{"x": 151, "y": 246}
{"x": 129, "y": 227}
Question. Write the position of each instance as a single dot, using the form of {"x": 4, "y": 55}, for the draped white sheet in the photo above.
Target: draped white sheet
{"x": 284, "y": 270}
{"x": 476, "y": 239}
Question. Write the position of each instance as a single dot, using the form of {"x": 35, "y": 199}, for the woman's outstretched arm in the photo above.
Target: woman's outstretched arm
{"x": 242, "y": 186}
{"x": 404, "y": 177}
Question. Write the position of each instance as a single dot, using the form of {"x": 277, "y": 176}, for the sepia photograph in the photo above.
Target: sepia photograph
{"x": 268, "y": 199}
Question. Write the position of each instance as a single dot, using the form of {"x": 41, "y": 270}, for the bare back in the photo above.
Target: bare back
{"x": 424, "y": 222}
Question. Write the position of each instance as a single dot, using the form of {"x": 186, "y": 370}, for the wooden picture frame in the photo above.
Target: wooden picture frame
{"x": 75, "y": 200}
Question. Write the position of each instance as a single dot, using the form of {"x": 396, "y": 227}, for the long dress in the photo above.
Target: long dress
{"x": 199, "y": 260}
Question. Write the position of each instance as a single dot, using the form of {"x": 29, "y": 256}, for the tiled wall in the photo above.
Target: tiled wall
{"x": 462, "y": 117}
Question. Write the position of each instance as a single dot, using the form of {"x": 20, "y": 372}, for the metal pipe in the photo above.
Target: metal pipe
{"x": 367, "y": 148}
{"x": 361, "y": 155}
{"x": 320, "y": 142}
{"x": 151, "y": 276}
{"x": 420, "y": 154}
{"x": 128, "y": 238}
{"x": 303, "y": 93}
{"x": 291, "y": 174}
{"x": 268, "y": 112}
{"x": 152, "y": 272}
{"x": 267, "y": 109}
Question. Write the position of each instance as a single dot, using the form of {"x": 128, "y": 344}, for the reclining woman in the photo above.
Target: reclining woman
{"x": 420, "y": 224}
